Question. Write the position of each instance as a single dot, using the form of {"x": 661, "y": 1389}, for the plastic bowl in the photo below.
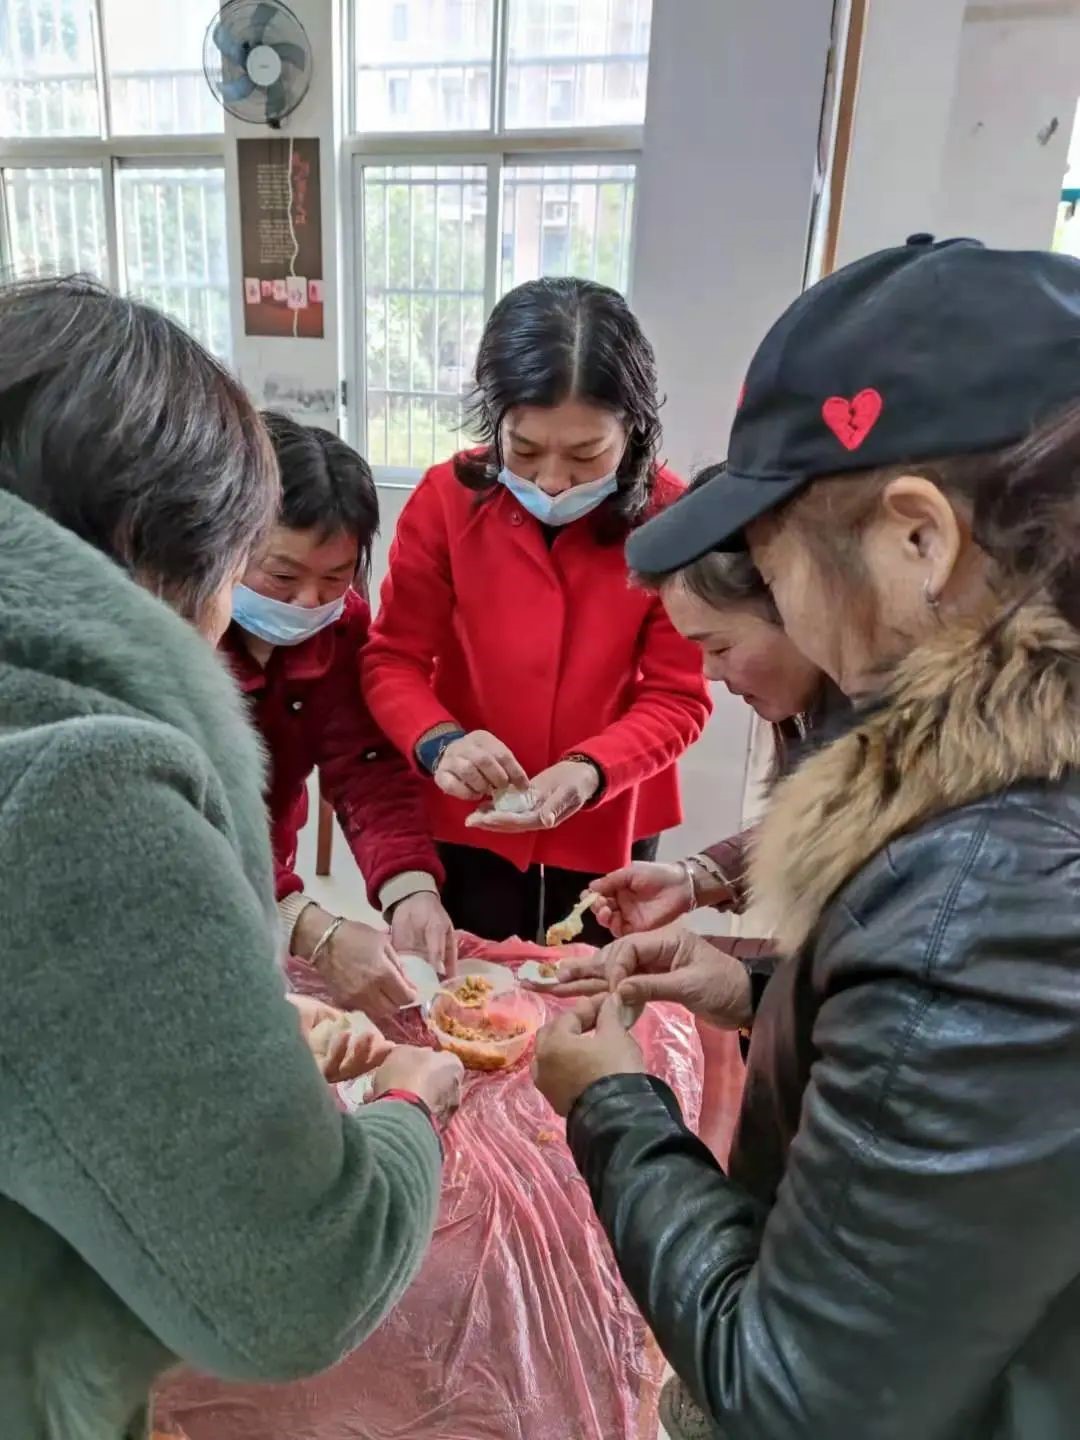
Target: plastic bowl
{"x": 510, "y": 1009}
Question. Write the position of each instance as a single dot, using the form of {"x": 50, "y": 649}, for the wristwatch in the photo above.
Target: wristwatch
{"x": 601, "y": 782}
{"x": 429, "y": 752}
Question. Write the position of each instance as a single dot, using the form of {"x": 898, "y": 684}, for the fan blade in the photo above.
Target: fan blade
{"x": 232, "y": 48}
{"x": 290, "y": 54}
{"x": 263, "y": 17}
{"x": 277, "y": 101}
{"x": 236, "y": 90}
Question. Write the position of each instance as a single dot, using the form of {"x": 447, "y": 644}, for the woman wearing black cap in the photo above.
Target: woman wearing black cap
{"x": 894, "y": 1251}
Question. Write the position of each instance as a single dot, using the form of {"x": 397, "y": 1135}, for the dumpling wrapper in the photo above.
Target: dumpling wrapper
{"x": 514, "y": 802}
{"x": 422, "y": 977}
{"x": 530, "y": 972}
{"x": 326, "y": 1032}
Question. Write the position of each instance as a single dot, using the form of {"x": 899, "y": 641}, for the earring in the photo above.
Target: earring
{"x": 932, "y": 601}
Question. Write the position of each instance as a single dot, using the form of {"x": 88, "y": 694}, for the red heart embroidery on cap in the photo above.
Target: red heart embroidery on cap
{"x": 852, "y": 420}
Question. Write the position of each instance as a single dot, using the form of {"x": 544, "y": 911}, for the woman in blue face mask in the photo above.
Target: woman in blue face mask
{"x": 299, "y": 623}
{"x": 511, "y": 654}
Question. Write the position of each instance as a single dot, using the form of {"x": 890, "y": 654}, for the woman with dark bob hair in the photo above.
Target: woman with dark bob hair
{"x": 175, "y": 1179}
{"x": 512, "y": 660}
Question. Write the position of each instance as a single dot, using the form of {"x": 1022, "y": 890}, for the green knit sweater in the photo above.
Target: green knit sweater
{"x": 175, "y": 1180}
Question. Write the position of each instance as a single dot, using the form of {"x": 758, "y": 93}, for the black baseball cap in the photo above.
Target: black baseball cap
{"x": 912, "y": 354}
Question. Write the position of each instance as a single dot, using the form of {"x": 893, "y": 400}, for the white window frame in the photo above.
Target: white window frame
{"x": 494, "y": 148}
{"x": 105, "y": 152}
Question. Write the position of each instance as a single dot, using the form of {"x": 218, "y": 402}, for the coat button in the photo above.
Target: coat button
{"x": 296, "y": 706}
{"x": 516, "y": 518}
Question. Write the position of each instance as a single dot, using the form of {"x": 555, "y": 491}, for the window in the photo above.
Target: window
{"x": 173, "y": 251}
{"x": 156, "y": 227}
{"x": 399, "y": 94}
{"x": 156, "y": 80}
{"x": 584, "y": 44}
{"x": 1067, "y": 230}
{"x": 567, "y": 220}
{"x": 447, "y": 221}
{"x": 56, "y": 222}
{"x": 424, "y": 233}
{"x": 560, "y": 97}
{"x": 429, "y": 40}
{"x": 48, "y": 79}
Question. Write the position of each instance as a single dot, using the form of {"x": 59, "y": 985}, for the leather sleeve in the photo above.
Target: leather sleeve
{"x": 731, "y": 855}
{"x": 929, "y": 1195}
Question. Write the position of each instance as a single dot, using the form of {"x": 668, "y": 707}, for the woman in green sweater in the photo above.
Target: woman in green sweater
{"x": 175, "y": 1180}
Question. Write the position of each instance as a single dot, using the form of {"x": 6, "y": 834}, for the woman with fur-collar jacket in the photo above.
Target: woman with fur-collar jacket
{"x": 894, "y": 1252}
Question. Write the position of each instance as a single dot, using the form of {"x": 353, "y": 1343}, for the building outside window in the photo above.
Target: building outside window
{"x": 515, "y": 156}
{"x": 111, "y": 154}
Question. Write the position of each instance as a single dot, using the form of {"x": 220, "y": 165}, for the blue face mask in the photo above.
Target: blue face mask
{"x": 572, "y": 504}
{"x": 279, "y": 623}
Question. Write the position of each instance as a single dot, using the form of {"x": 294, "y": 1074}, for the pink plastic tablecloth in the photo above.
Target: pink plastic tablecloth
{"x": 517, "y": 1326}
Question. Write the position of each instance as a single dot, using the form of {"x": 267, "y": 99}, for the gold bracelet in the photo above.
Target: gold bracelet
{"x": 712, "y": 869}
{"x": 686, "y": 866}
{"x": 324, "y": 940}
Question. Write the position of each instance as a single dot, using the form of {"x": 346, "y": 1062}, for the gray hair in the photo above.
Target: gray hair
{"x": 121, "y": 427}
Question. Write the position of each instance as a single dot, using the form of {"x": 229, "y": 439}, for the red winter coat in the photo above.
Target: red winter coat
{"x": 308, "y": 707}
{"x": 485, "y": 625}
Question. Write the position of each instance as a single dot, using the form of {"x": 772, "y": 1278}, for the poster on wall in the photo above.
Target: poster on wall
{"x": 281, "y": 236}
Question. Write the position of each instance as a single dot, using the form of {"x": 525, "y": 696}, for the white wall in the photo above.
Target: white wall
{"x": 906, "y": 83}
{"x": 1010, "y": 122}
{"x": 724, "y": 196}
{"x": 962, "y": 121}
{"x": 314, "y": 362}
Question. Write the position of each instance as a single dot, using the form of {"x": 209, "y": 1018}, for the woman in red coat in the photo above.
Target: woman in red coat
{"x": 511, "y": 652}
{"x": 298, "y": 628}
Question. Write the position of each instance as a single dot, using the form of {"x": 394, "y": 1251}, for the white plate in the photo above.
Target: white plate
{"x": 530, "y": 971}
{"x": 421, "y": 976}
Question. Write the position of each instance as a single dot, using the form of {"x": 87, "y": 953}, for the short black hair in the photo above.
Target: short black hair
{"x": 554, "y": 339}
{"x": 326, "y": 485}
{"x": 117, "y": 423}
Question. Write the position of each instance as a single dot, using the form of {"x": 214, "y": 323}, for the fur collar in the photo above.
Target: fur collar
{"x": 968, "y": 713}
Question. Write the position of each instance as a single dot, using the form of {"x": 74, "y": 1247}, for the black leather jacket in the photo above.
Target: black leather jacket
{"x": 895, "y": 1252}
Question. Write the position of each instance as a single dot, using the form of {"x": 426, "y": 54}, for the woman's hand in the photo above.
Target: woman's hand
{"x": 434, "y": 1075}
{"x": 560, "y": 791}
{"x": 420, "y": 926}
{"x": 673, "y": 965}
{"x": 582, "y": 976}
{"x": 348, "y": 1053}
{"x": 581, "y": 1046}
{"x": 478, "y": 765}
{"x": 642, "y": 896}
{"x": 685, "y": 969}
{"x": 358, "y": 964}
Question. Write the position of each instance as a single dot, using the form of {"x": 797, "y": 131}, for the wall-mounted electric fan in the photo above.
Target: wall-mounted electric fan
{"x": 257, "y": 60}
